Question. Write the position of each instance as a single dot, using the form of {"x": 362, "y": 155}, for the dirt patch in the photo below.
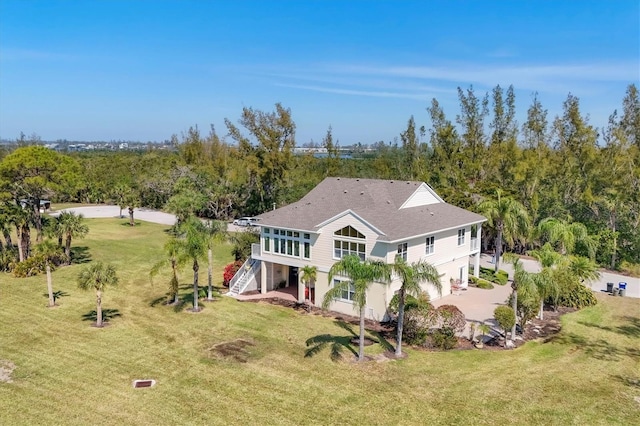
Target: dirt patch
{"x": 234, "y": 350}
{"x": 546, "y": 328}
{"x": 535, "y": 329}
{"x": 6, "y": 369}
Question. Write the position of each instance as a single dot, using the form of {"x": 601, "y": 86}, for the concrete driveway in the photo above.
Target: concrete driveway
{"x": 478, "y": 305}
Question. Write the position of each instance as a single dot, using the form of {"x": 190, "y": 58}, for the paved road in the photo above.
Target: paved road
{"x": 146, "y": 215}
{"x": 114, "y": 211}
{"x": 633, "y": 284}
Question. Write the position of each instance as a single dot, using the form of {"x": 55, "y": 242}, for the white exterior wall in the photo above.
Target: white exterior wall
{"x": 448, "y": 258}
{"x": 322, "y": 251}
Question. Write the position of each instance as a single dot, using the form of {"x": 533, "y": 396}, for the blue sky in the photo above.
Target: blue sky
{"x": 144, "y": 70}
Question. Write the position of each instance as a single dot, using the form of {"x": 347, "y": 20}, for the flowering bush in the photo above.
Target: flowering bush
{"x": 229, "y": 271}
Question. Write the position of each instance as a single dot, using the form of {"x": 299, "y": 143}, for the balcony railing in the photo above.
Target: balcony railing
{"x": 255, "y": 250}
{"x": 474, "y": 244}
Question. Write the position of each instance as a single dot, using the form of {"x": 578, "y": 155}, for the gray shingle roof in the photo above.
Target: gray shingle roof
{"x": 375, "y": 200}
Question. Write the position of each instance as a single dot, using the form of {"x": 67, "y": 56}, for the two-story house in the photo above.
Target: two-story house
{"x": 370, "y": 218}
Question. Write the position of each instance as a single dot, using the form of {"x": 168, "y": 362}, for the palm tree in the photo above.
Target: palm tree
{"x": 194, "y": 246}
{"x": 522, "y": 281}
{"x": 359, "y": 277}
{"x": 584, "y": 269}
{"x": 309, "y": 274}
{"x": 412, "y": 276}
{"x": 97, "y": 276}
{"x": 69, "y": 225}
{"x": 508, "y": 217}
{"x": 215, "y": 231}
{"x": 132, "y": 201}
{"x": 22, "y": 220}
{"x": 565, "y": 236}
{"x": 545, "y": 282}
{"x": 175, "y": 258}
{"x": 119, "y": 196}
{"x": 50, "y": 252}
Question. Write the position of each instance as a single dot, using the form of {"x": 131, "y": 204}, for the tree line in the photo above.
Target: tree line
{"x": 561, "y": 167}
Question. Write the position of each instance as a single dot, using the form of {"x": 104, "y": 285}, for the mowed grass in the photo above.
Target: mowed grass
{"x": 68, "y": 372}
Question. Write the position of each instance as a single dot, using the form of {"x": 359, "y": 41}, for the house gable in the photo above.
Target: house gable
{"x": 424, "y": 195}
{"x": 352, "y": 214}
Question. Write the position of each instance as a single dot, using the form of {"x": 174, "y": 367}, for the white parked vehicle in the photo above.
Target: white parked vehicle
{"x": 246, "y": 221}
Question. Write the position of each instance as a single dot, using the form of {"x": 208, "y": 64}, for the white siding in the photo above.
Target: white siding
{"x": 322, "y": 250}
{"x": 423, "y": 196}
{"x": 447, "y": 257}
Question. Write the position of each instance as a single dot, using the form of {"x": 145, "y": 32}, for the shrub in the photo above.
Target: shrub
{"x": 484, "y": 284}
{"x": 505, "y": 317}
{"x": 229, "y": 271}
{"x": 410, "y": 302}
{"x": 242, "y": 242}
{"x": 632, "y": 269}
{"x": 576, "y": 296}
{"x": 528, "y": 306}
{"x": 417, "y": 322}
{"x": 444, "y": 338}
{"x": 29, "y": 267}
{"x": 450, "y": 316}
{"x": 501, "y": 277}
{"x": 571, "y": 292}
{"x": 8, "y": 257}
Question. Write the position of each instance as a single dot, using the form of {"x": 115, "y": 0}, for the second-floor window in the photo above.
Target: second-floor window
{"x": 402, "y": 251}
{"x": 287, "y": 242}
{"x": 431, "y": 245}
{"x": 461, "y": 236}
{"x": 348, "y": 241}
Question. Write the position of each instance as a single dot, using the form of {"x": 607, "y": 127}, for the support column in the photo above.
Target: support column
{"x": 300, "y": 289}
{"x": 476, "y": 265}
{"x": 263, "y": 276}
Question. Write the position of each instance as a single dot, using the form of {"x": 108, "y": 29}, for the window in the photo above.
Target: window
{"x": 287, "y": 243}
{"x": 345, "y": 248}
{"x": 349, "y": 231}
{"x": 350, "y": 244}
{"x": 430, "y": 245}
{"x": 460, "y": 236}
{"x": 402, "y": 251}
{"x": 348, "y": 290}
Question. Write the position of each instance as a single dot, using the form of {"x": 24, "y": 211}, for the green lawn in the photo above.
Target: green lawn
{"x": 68, "y": 372}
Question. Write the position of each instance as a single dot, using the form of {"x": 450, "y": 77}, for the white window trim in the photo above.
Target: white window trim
{"x": 340, "y": 299}
{"x": 403, "y": 251}
{"x": 349, "y": 241}
{"x": 276, "y": 234}
{"x": 463, "y": 237}
{"x": 433, "y": 246}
